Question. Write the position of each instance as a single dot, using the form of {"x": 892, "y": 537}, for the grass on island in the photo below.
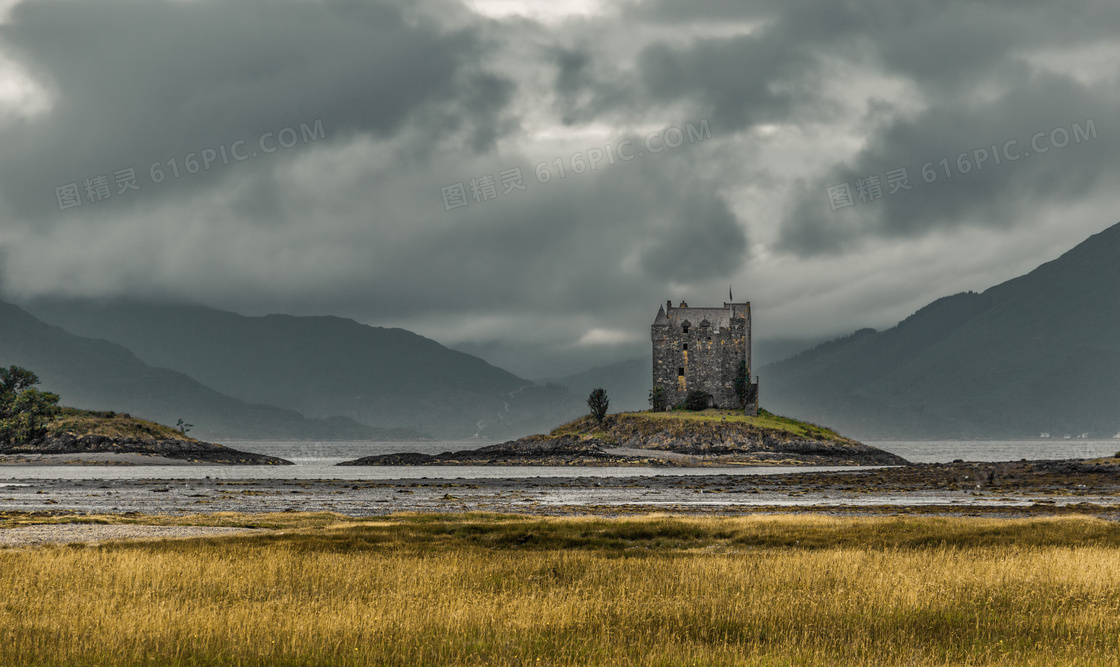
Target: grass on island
{"x": 116, "y": 425}
{"x": 478, "y": 589}
{"x": 765, "y": 420}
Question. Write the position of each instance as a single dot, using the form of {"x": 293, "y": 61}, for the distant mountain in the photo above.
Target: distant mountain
{"x": 766, "y": 351}
{"x": 1037, "y": 353}
{"x": 627, "y": 383}
{"x": 324, "y": 366}
{"x": 98, "y": 375}
{"x": 540, "y": 359}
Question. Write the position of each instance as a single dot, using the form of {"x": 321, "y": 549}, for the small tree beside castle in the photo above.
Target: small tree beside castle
{"x": 598, "y": 403}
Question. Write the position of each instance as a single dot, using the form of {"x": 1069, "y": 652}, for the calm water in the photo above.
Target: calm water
{"x": 946, "y": 451}
{"x": 316, "y": 460}
{"x": 325, "y": 469}
{"x": 918, "y": 451}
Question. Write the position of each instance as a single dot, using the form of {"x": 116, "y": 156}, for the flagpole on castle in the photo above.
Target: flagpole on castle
{"x": 729, "y": 298}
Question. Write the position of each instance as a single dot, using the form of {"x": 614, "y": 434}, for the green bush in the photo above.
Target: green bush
{"x": 697, "y": 400}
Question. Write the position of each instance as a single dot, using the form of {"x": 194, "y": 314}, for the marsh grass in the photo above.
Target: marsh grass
{"x": 506, "y": 590}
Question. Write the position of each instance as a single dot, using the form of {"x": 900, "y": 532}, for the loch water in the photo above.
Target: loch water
{"x": 317, "y": 460}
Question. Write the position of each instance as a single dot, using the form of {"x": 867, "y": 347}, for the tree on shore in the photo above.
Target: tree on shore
{"x": 657, "y": 398}
{"x": 183, "y": 427}
{"x": 24, "y": 411}
{"x": 598, "y": 403}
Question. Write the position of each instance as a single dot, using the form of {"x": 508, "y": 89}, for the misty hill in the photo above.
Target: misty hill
{"x": 324, "y": 366}
{"x": 99, "y": 375}
{"x": 1037, "y": 353}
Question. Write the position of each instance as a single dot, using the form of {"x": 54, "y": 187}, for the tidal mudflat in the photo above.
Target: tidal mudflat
{"x": 1008, "y": 489}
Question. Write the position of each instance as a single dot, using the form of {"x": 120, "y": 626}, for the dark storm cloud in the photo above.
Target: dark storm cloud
{"x": 585, "y": 244}
{"x": 738, "y": 79}
{"x": 737, "y": 82}
{"x": 945, "y": 47}
{"x": 589, "y": 85}
{"x": 408, "y": 106}
{"x": 136, "y": 82}
{"x": 699, "y": 239}
{"x": 800, "y": 96}
{"x": 978, "y": 191}
{"x": 968, "y": 64}
{"x": 572, "y": 79}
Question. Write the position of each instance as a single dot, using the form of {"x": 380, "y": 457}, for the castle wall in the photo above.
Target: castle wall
{"x": 703, "y": 357}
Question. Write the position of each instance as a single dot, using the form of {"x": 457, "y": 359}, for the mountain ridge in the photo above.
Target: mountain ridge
{"x": 98, "y": 375}
{"x": 321, "y": 366}
{"x": 1035, "y": 353}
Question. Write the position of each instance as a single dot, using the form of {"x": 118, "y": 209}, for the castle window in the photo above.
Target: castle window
{"x": 685, "y": 348}
{"x": 686, "y": 329}
{"x": 680, "y": 371}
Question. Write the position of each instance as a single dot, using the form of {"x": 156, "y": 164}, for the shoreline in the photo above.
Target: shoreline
{"x": 1024, "y": 488}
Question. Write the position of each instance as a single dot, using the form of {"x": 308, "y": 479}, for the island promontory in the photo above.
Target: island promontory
{"x": 674, "y": 438}
{"x": 91, "y": 437}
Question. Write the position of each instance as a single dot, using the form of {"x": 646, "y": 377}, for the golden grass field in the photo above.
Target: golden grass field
{"x": 506, "y": 590}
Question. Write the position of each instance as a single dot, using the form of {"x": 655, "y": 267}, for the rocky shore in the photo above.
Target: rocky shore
{"x": 1058, "y": 477}
{"x": 189, "y": 451}
{"x": 185, "y": 450}
{"x": 711, "y": 438}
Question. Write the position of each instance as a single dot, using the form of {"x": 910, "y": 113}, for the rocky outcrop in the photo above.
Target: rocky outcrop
{"x": 717, "y": 437}
{"x": 187, "y": 450}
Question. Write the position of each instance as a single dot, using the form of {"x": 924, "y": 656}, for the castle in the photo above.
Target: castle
{"x": 704, "y": 349}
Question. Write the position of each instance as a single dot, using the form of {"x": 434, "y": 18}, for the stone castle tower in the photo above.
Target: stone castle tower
{"x": 702, "y": 348}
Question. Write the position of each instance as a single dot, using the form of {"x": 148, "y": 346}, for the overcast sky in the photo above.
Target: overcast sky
{"x": 787, "y": 99}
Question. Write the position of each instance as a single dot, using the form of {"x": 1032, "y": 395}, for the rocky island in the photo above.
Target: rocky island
{"x": 678, "y": 438}
{"x": 76, "y": 436}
